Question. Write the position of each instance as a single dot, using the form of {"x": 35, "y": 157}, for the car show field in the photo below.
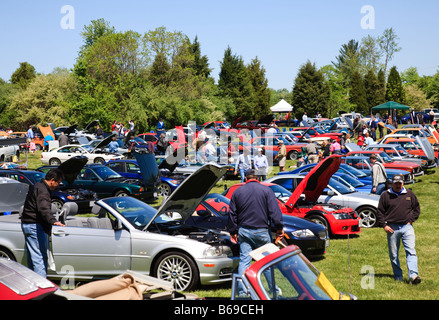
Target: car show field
{"x": 358, "y": 264}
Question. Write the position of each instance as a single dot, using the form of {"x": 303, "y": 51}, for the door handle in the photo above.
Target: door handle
{"x": 60, "y": 233}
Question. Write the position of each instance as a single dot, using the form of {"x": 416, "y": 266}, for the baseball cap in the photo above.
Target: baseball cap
{"x": 398, "y": 179}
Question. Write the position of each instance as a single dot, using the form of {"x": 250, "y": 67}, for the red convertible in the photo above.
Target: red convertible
{"x": 337, "y": 219}
{"x": 294, "y": 277}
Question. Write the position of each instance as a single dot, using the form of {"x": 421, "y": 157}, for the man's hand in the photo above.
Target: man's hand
{"x": 234, "y": 238}
{"x": 388, "y": 229}
{"x": 59, "y": 224}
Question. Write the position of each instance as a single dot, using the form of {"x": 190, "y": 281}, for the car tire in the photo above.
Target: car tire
{"x": 54, "y": 162}
{"x": 178, "y": 268}
{"x": 368, "y": 216}
{"x": 121, "y": 193}
{"x": 6, "y": 254}
{"x": 58, "y": 203}
{"x": 319, "y": 220}
{"x": 293, "y": 155}
{"x": 99, "y": 160}
{"x": 164, "y": 190}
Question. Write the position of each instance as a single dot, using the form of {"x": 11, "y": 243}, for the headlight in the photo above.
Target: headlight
{"x": 176, "y": 181}
{"x": 213, "y": 251}
{"x": 73, "y": 197}
{"x": 304, "y": 233}
{"x": 342, "y": 216}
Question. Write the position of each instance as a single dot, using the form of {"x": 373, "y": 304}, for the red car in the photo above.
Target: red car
{"x": 262, "y": 124}
{"x": 316, "y": 133}
{"x": 272, "y": 143}
{"x": 294, "y": 275}
{"x": 388, "y": 163}
{"x": 337, "y": 219}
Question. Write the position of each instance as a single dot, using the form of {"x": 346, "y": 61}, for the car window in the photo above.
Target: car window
{"x": 116, "y": 166}
{"x": 87, "y": 174}
{"x": 132, "y": 168}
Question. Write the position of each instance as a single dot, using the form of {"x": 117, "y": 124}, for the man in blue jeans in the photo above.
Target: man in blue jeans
{"x": 398, "y": 209}
{"x": 37, "y": 220}
{"x": 253, "y": 207}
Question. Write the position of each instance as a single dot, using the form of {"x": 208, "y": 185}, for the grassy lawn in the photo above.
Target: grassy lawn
{"x": 360, "y": 264}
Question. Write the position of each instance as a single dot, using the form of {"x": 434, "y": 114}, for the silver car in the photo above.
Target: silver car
{"x": 365, "y": 204}
{"x": 127, "y": 234}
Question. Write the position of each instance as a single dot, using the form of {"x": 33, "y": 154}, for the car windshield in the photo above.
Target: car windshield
{"x": 351, "y": 181}
{"x": 35, "y": 176}
{"x": 385, "y": 157}
{"x": 353, "y": 171}
{"x": 294, "y": 276}
{"x": 106, "y": 173}
{"x": 138, "y": 213}
{"x": 402, "y": 151}
{"x": 218, "y": 202}
{"x": 279, "y": 191}
{"x": 338, "y": 186}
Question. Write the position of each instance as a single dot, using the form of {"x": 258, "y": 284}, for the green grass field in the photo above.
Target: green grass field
{"x": 360, "y": 264}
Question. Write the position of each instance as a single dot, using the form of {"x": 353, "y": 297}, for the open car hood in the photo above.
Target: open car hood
{"x": 186, "y": 198}
{"x": 46, "y": 131}
{"x": 12, "y": 194}
{"x": 91, "y": 125}
{"x": 266, "y": 120}
{"x": 148, "y": 167}
{"x": 104, "y": 142}
{"x": 72, "y": 167}
{"x": 426, "y": 147}
{"x": 70, "y": 129}
{"x": 316, "y": 180}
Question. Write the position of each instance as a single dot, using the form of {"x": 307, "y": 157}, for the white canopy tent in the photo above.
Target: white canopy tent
{"x": 282, "y": 106}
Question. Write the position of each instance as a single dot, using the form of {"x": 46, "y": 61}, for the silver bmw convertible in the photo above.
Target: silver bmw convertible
{"x": 125, "y": 233}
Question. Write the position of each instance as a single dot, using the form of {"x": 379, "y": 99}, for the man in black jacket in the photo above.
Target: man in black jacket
{"x": 398, "y": 209}
{"x": 37, "y": 220}
{"x": 253, "y": 209}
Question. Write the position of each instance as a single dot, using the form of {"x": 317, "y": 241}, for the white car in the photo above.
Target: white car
{"x": 95, "y": 155}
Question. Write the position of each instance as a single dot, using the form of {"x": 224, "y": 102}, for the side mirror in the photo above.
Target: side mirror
{"x": 203, "y": 213}
{"x": 118, "y": 225}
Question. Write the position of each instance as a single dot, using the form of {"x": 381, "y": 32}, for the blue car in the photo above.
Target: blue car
{"x": 352, "y": 182}
{"x": 310, "y": 237}
{"x": 361, "y": 176}
{"x": 130, "y": 169}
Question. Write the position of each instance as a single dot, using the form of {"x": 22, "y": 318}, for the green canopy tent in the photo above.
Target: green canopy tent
{"x": 390, "y": 105}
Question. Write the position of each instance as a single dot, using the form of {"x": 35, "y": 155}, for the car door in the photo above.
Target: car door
{"x": 91, "y": 251}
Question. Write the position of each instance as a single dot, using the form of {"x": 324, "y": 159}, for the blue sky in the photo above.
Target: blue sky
{"x": 283, "y": 34}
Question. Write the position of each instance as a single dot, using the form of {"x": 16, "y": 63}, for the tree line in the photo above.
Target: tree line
{"x": 163, "y": 74}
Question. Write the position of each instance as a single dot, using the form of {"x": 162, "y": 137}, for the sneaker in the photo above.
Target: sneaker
{"x": 415, "y": 280}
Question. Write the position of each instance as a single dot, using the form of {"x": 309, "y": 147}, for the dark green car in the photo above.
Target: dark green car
{"x": 105, "y": 181}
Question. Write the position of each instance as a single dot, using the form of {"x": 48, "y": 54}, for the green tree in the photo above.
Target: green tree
{"x": 47, "y": 99}
{"x": 381, "y": 93}
{"x": 357, "y": 94}
{"x": 201, "y": 63}
{"x": 311, "y": 92}
{"x": 348, "y": 61}
{"x": 372, "y": 89}
{"x": 95, "y": 30}
{"x": 339, "y": 98}
{"x": 260, "y": 88}
{"x": 234, "y": 82}
{"x": 24, "y": 75}
{"x": 394, "y": 89}
{"x": 388, "y": 43}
